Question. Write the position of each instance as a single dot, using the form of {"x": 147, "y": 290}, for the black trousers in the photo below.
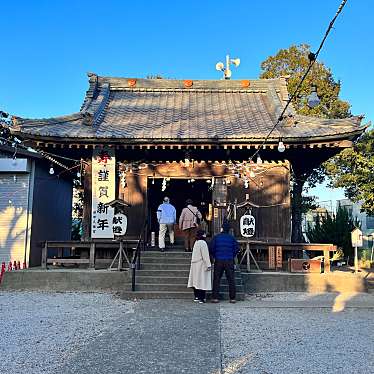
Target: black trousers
{"x": 200, "y": 294}
{"x": 221, "y": 266}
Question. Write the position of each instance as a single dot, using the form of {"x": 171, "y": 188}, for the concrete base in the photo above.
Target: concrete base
{"x": 114, "y": 281}
{"x": 313, "y": 283}
{"x": 66, "y": 280}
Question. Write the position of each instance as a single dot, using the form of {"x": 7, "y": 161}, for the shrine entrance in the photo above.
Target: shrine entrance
{"x": 179, "y": 190}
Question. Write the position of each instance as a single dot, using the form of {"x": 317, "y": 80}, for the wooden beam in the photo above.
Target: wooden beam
{"x": 92, "y": 256}
{"x": 44, "y": 255}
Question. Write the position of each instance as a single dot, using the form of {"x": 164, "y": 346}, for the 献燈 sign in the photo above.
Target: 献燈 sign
{"x": 247, "y": 225}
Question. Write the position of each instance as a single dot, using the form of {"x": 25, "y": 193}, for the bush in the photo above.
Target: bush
{"x": 76, "y": 229}
{"x": 335, "y": 229}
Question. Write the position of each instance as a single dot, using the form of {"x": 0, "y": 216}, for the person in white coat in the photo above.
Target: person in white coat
{"x": 200, "y": 278}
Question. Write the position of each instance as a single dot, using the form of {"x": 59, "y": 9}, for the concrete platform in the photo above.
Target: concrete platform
{"x": 65, "y": 280}
{"x": 112, "y": 281}
{"x": 298, "y": 282}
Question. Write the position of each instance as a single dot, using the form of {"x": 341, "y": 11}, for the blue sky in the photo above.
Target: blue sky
{"x": 47, "y": 47}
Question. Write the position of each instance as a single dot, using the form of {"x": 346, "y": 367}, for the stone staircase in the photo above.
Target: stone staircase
{"x": 165, "y": 275}
{"x": 370, "y": 283}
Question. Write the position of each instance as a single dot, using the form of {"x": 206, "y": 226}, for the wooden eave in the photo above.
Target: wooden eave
{"x": 341, "y": 140}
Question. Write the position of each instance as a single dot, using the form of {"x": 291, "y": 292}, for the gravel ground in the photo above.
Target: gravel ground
{"x": 298, "y": 333}
{"x": 267, "y": 333}
{"x": 40, "y": 331}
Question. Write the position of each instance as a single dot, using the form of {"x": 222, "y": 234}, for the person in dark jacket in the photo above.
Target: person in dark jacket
{"x": 224, "y": 248}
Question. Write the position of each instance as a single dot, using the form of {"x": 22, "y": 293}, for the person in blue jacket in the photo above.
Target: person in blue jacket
{"x": 224, "y": 248}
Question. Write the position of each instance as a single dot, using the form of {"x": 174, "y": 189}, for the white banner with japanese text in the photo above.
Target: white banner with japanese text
{"x": 103, "y": 191}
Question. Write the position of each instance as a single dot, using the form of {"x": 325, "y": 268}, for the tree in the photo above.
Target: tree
{"x": 293, "y": 62}
{"x": 353, "y": 170}
{"x": 334, "y": 229}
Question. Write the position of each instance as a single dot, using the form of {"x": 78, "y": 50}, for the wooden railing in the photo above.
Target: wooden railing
{"x": 90, "y": 246}
{"x": 275, "y": 252}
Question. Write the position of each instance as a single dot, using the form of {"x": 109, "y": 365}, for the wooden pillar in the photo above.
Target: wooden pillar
{"x": 326, "y": 255}
{"x": 44, "y": 255}
{"x": 279, "y": 257}
{"x": 92, "y": 256}
{"x": 219, "y": 204}
{"x": 87, "y": 201}
{"x": 271, "y": 257}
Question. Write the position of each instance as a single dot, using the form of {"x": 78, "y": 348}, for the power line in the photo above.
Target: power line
{"x": 312, "y": 59}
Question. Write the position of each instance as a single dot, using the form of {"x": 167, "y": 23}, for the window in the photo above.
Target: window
{"x": 370, "y": 222}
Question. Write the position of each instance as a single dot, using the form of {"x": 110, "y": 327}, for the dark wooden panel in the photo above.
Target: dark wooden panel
{"x": 270, "y": 191}
{"x": 135, "y": 193}
{"x": 87, "y": 201}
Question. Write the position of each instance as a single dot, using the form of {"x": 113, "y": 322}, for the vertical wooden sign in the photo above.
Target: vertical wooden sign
{"x": 271, "y": 255}
{"x": 278, "y": 257}
{"x": 103, "y": 191}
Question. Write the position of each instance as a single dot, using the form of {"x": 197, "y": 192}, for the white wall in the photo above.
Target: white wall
{"x": 14, "y": 216}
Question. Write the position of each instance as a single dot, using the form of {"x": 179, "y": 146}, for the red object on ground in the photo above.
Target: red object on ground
{"x": 2, "y": 270}
{"x": 18, "y": 265}
{"x": 24, "y": 265}
{"x": 14, "y": 265}
{"x": 10, "y": 266}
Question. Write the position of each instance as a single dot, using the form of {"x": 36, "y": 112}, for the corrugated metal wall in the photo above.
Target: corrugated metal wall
{"x": 13, "y": 216}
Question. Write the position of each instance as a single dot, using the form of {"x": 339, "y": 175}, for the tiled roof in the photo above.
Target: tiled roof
{"x": 166, "y": 110}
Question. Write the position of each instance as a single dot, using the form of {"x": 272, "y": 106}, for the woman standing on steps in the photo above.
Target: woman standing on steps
{"x": 200, "y": 271}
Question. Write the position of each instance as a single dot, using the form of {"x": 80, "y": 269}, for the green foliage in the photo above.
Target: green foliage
{"x": 365, "y": 254}
{"x": 76, "y": 229}
{"x": 293, "y": 62}
{"x": 353, "y": 170}
{"x": 335, "y": 229}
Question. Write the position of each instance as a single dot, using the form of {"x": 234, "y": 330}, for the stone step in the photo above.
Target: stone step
{"x": 173, "y": 280}
{"x": 163, "y": 266}
{"x": 162, "y": 273}
{"x": 165, "y": 257}
{"x": 166, "y": 254}
{"x": 129, "y": 295}
{"x": 165, "y": 260}
{"x": 161, "y": 280}
{"x": 173, "y": 273}
{"x": 172, "y": 287}
{"x": 175, "y": 248}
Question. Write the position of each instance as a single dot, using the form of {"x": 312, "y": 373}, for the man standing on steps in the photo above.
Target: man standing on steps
{"x": 224, "y": 248}
{"x": 166, "y": 217}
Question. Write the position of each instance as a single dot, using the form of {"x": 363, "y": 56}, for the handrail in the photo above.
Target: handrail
{"x": 135, "y": 263}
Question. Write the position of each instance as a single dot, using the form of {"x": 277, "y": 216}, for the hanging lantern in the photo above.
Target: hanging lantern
{"x": 281, "y": 147}
{"x": 313, "y": 99}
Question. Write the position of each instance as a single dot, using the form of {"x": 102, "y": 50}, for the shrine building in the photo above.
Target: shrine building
{"x": 138, "y": 140}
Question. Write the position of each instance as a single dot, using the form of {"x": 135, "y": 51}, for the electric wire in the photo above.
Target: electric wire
{"x": 312, "y": 59}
